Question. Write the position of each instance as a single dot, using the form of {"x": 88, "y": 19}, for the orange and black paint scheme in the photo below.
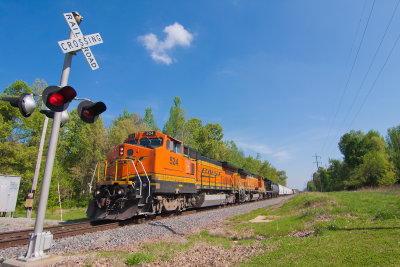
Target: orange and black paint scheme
{"x": 151, "y": 173}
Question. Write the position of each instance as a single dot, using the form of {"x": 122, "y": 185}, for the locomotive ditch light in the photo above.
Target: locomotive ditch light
{"x": 24, "y": 102}
{"x": 89, "y": 111}
{"x": 50, "y": 114}
{"x": 57, "y": 98}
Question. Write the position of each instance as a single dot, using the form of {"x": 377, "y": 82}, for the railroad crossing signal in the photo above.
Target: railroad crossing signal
{"x": 24, "y": 102}
{"x": 57, "y": 98}
{"x": 89, "y": 111}
{"x": 80, "y": 42}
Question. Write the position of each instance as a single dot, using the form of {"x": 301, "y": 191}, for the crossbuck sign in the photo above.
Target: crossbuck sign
{"x": 80, "y": 42}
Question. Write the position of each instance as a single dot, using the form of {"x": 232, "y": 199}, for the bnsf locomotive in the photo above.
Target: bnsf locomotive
{"x": 151, "y": 173}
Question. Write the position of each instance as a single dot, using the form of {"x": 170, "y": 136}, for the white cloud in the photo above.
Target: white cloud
{"x": 253, "y": 147}
{"x": 160, "y": 50}
{"x": 282, "y": 155}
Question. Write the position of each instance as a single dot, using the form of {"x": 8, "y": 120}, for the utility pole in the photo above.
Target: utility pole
{"x": 316, "y": 161}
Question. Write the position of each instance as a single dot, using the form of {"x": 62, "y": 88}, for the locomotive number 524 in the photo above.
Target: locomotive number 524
{"x": 173, "y": 161}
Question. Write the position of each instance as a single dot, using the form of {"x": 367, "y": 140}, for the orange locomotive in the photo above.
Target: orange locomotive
{"x": 151, "y": 173}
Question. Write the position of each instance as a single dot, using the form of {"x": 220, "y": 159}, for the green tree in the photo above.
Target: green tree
{"x": 376, "y": 170}
{"x": 19, "y": 136}
{"x": 350, "y": 146}
{"x": 393, "y": 148}
{"x": 81, "y": 146}
{"x": 311, "y": 186}
{"x": 282, "y": 177}
{"x": 122, "y": 127}
{"x": 175, "y": 125}
{"x": 149, "y": 120}
{"x": 11, "y": 128}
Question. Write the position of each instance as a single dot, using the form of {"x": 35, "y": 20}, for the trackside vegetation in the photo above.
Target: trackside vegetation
{"x": 357, "y": 228}
{"x": 342, "y": 228}
{"x": 368, "y": 161}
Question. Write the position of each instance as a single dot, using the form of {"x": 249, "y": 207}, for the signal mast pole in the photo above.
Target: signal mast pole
{"x": 41, "y": 241}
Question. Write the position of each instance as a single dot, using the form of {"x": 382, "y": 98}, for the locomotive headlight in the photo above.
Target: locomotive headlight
{"x": 121, "y": 151}
{"x": 97, "y": 192}
{"x": 120, "y": 191}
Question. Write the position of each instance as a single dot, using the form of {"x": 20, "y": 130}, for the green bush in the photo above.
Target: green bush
{"x": 385, "y": 215}
{"x": 139, "y": 257}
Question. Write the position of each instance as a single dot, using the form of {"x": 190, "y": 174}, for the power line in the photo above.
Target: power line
{"x": 354, "y": 62}
{"x": 351, "y": 71}
{"x": 373, "y": 61}
{"x": 377, "y": 77}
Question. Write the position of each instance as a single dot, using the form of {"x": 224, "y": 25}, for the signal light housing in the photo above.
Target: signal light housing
{"x": 89, "y": 111}
{"x": 57, "y": 98}
{"x": 24, "y": 102}
{"x": 50, "y": 114}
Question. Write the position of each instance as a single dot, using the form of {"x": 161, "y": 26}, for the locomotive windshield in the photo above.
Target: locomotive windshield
{"x": 151, "y": 142}
{"x": 132, "y": 142}
{"x": 146, "y": 142}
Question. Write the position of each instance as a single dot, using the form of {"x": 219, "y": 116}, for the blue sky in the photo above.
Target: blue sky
{"x": 283, "y": 78}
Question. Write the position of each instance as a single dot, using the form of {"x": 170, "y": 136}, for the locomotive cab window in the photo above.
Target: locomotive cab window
{"x": 129, "y": 152}
{"x": 168, "y": 144}
{"x": 179, "y": 148}
{"x": 176, "y": 147}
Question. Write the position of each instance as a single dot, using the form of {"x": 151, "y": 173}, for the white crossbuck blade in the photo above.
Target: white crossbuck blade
{"x": 80, "y": 42}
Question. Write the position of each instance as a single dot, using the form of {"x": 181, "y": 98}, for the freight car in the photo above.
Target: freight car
{"x": 151, "y": 173}
{"x": 280, "y": 190}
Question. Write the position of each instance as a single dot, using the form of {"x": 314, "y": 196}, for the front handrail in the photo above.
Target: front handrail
{"x": 98, "y": 166}
{"x": 147, "y": 198}
{"x": 137, "y": 173}
{"x": 127, "y": 176}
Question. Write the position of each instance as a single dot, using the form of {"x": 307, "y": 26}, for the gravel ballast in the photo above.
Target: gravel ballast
{"x": 133, "y": 233}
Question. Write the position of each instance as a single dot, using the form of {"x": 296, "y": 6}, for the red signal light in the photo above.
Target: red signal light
{"x": 56, "y": 99}
{"x": 88, "y": 113}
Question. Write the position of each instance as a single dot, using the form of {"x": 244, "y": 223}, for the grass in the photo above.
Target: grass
{"x": 359, "y": 228}
{"x": 139, "y": 257}
{"x": 348, "y": 228}
{"x": 165, "y": 250}
{"x": 72, "y": 214}
{"x": 212, "y": 239}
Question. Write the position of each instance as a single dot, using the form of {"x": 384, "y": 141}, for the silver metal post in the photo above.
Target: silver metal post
{"x": 29, "y": 203}
{"x": 40, "y": 242}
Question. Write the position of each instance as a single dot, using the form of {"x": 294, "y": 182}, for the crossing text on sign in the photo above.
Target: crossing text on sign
{"x": 78, "y": 43}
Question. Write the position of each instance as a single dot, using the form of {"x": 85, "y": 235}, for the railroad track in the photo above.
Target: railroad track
{"x": 20, "y": 238}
